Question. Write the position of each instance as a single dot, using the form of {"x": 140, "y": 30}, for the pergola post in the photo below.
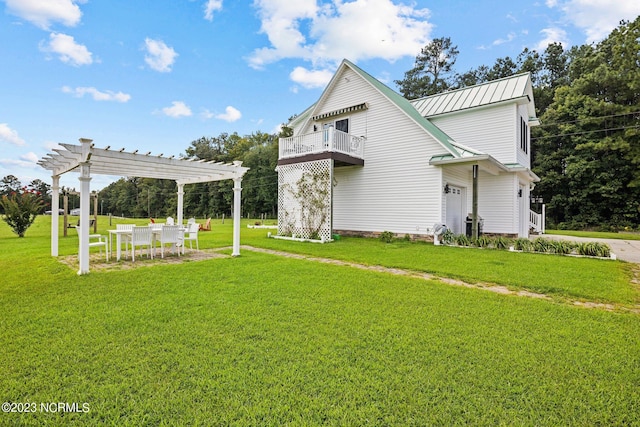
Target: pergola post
{"x": 237, "y": 192}
{"x": 180, "y": 204}
{"x": 55, "y": 206}
{"x": 85, "y": 201}
{"x": 83, "y": 234}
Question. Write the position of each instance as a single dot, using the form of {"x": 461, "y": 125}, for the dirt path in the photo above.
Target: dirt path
{"x": 491, "y": 287}
{"x": 98, "y": 264}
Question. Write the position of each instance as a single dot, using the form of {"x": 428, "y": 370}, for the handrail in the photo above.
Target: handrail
{"x": 326, "y": 140}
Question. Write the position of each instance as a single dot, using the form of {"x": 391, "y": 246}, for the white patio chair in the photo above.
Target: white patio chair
{"x": 141, "y": 236}
{"x": 97, "y": 241}
{"x": 125, "y": 238}
{"x": 170, "y": 235}
{"x": 190, "y": 235}
{"x": 170, "y": 221}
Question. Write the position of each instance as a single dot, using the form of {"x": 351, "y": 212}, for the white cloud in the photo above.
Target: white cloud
{"x": 50, "y": 145}
{"x": 67, "y": 49}
{"x": 231, "y": 115}
{"x": 206, "y": 114}
{"x": 23, "y": 164}
{"x": 509, "y": 38}
{"x": 359, "y": 29}
{"x": 310, "y": 79}
{"x": 210, "y": 7}
{"x": 79, "y": 92}
{"x": 597, "y": 18}
{"x": 30, "y": 157}
{"x": 9, "y": 135}
{"x": 177, "y": 109}
{"x": 552, "y": 35}
{"x": 159, "y": 57}
{"x": 43, "y": 12}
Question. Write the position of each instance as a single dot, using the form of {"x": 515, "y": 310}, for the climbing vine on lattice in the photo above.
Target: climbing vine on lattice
{"x": 304, "y": 200}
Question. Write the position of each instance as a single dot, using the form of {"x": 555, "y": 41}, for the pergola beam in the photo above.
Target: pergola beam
{"x": 87, "y": 160}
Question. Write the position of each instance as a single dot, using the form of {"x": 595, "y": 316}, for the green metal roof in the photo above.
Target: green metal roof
{"x": 508, "y": 88}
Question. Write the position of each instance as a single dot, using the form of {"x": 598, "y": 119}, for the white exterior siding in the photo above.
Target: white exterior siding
{"x": 497, "y": 203}
{"x": 396, "y": 190}
{"x": 522, "y": 157}
{"x": 349, "y": 90}
{"x": 491, "y": 130}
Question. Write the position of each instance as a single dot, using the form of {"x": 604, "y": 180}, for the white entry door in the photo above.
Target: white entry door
{"x": 456, "y": 200}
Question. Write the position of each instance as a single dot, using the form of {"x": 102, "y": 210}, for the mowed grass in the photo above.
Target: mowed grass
{"x": 269, "y": 340}
{"x": 597, "y": 234}
{"x": 563, "y": 276}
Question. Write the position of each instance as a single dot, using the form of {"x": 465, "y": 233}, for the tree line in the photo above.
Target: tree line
{"x": 587, "y": 148}
{"x": 156, "y": 198}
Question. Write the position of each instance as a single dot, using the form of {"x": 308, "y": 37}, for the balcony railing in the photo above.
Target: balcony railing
{"x": 326, "y": 140}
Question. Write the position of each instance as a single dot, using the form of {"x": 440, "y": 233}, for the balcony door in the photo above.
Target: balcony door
{"x": 341, "y": 125}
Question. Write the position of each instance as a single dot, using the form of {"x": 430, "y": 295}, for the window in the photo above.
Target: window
{"x": 342, "y": 125}
{"x": 524, "y": 136}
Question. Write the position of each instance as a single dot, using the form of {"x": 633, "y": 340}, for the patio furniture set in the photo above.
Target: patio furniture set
{"x": 148, "y": 238}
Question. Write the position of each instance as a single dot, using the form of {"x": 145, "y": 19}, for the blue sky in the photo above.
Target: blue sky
{"x": 156, "y": 75}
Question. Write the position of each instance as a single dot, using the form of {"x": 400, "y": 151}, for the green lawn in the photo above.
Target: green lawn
{"x": 268, "y": 340}
{"x": 597, "y": 234}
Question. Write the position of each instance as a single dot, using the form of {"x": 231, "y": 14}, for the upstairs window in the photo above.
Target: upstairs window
{"x": 524, "y": 136}
{"x": 342, "y": 125}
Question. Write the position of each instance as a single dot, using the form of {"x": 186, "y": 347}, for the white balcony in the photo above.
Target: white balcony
{"x": 327, "y": 140}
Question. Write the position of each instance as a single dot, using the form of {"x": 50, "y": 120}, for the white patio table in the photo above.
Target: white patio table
{"x": 119, "y": 233}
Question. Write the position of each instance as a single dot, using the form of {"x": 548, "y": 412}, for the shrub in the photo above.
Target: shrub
{"x": 482, "y": 242}
{"x": 448, "y": 237}
{"x": 21, "y": 209}
{"x": 501, "y": 242}
{"x": 522, "y": 244}
{"x": 541, "y": 245}
{"x": 563, "y": 247}
{"x": 594, "y": 249}
{"x": 386, "y": 236}
{"x": 462, "y": 240}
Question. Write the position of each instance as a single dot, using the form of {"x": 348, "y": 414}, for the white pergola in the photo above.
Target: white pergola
{"x": 87, "y": 159}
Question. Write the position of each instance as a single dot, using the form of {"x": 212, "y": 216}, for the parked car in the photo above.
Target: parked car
{"x": 60, "y": 212}
{"x": 75, "y": 212}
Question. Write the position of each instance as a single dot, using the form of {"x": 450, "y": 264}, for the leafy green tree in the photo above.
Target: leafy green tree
{"x": 9, "y": 184}
{"x": 433, "y": 70}
{"x": 587, "y": 150}
{"x": 21, "y": 209}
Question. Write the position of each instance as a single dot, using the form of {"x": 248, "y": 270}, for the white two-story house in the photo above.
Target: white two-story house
{"x": 363, "y": 160}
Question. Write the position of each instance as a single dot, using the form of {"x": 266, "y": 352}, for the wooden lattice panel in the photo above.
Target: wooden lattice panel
{"x": 304, "y": 200}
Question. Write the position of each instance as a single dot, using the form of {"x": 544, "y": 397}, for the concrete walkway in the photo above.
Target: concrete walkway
{"x": 625, "y": 250}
